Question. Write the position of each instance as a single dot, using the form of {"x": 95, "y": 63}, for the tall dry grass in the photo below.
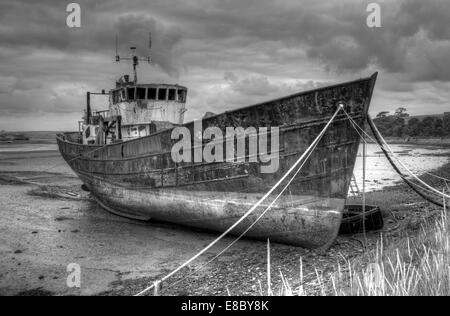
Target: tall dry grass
{"x": 414, "y": 266}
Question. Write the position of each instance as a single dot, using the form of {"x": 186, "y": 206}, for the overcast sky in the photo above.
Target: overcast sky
{"x": 229, "y": 53}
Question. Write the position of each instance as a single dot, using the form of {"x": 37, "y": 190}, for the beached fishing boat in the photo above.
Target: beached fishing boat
{"x": 123, "y": 155}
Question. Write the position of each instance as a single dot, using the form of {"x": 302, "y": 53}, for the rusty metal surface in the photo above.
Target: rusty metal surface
{"x": 132, "y": 176}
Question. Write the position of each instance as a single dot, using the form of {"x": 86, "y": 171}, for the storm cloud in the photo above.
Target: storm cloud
{"x": 229, "y": 53}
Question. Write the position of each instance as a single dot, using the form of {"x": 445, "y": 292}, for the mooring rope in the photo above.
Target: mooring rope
{"x": 380, "y": 141}
{"x": 249, "y": 211}
{"x": 408, "y": 182}
{"x": 259, "y": 217}
{"x": 411, "y": 184}
{"x": 404, "y": 166}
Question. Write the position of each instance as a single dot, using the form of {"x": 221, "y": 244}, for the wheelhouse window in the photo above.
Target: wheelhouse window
{"x": 162, "y": 93}
{"x": 140, "y": 93}
{"x": 123, "y": 94}
{"x": 130, "y": 92}
{"x": 181, "y": 95}
{"x": 172, "y": 94}
{"x": 151, "y": 93}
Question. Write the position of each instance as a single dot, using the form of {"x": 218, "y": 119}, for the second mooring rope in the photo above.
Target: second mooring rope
{"x": 412, "y": 185}
{"x": 404, "y": 166}
{"x": 383, "y": 145}
{"x": 313, "y": 144}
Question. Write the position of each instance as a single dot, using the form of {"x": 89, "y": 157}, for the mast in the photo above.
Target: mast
{"x": 88, "y": 107}
{"x": 135, "y": 63}
{"x": 134, "y": 58}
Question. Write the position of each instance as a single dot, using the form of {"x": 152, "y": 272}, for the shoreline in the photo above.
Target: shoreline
{"x": 422, "y": 141}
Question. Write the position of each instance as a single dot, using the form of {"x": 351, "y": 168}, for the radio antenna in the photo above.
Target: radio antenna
{"x": 117, "y": 49}
{"x": 134, "y": 57}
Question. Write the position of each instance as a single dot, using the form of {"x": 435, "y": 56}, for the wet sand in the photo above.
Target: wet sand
{"x": 47, "y": 222}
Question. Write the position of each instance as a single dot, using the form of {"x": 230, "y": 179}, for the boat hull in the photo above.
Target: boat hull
{"x": 306, "y": 221}
{"x": 137, "y": 178}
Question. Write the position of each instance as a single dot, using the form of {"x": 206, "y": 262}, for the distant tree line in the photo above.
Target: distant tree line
{"x": 400, "y": 125}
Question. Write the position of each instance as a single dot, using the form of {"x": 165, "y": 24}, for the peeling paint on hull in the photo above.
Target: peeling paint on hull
{"x": 137, "y": 179}
{"x": 299, "y": 220}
